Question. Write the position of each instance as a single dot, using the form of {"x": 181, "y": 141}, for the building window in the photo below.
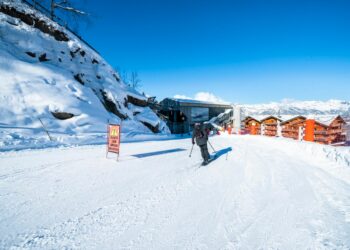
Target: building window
{"x": 199, "y": 114}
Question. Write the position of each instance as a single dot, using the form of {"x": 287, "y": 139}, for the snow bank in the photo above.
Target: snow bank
{"x": 312, "y": 151}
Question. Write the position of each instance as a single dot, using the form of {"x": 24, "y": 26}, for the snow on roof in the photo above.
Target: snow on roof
{"x": 197, "y": 101}
{"x": 264, "y": 117}
{"x": 292, "y": 118}
{"x": 325, "y": 119}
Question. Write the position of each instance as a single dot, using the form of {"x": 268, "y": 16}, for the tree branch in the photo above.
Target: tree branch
{"x": 70, "y": 9}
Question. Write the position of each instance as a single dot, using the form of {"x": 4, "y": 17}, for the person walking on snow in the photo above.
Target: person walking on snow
{"x": 200, "y": 136}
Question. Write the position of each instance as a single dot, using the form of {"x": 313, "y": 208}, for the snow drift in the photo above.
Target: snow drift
{"x": 51, "y": 80}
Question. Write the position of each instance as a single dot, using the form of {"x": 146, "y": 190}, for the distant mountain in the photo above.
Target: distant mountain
{"x": 329, "y": 108}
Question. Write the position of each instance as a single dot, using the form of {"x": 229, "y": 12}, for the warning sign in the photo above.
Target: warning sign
{"x": 113, "y": 138}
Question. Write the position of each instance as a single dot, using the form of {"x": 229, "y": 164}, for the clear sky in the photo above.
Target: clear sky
{"x": 243, "y": 51}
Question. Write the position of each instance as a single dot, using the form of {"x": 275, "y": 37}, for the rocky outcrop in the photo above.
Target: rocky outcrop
{"x": 111, "y": 106}
{"x": 62, "y": 115}
{"x": 35, "y": 22}
{"x": 137, "y": 102}
{"x": 154, "y": 129}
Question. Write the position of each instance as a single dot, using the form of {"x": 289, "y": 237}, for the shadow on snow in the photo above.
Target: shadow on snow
{"x": 143, "y": 155}
{"x": 222, "y": 152}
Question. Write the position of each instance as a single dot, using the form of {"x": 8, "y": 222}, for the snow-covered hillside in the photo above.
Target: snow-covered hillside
{"x": 267, "y": 194}
{"x": 49, "y": 78}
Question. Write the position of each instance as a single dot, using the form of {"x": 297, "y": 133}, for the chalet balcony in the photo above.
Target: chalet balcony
{"x": 320, "y": 132}
{"x": 290, "y": 130}
{"x": 321, "y": 139}
{"x": 336, "y": 131}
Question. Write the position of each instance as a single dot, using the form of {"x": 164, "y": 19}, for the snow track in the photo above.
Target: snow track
{"x": 269, "y": 194}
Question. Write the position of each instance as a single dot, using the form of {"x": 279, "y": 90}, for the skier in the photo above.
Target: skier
{"x": 201, "y": 136}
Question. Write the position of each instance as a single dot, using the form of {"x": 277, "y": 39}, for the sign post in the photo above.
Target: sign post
{"x": 113, "y": 139}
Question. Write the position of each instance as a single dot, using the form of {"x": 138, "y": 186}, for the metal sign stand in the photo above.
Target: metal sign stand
{"x": 116, "y": 149}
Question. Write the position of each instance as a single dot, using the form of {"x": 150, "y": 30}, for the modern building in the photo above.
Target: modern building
{"x": 182, "y": 114}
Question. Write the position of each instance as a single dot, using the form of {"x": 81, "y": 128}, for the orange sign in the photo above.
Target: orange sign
{"x": 113, "y": 138}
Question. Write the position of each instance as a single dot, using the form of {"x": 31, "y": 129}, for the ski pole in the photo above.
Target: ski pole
{"x": 212, "y": 146}
{"x": 191, "y": 150}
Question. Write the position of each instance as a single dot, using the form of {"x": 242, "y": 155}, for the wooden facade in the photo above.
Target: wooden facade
{"x": 270, "y": 125}
{"x": 320, "y": 133}
{"x": 252, "y": 126}
{"x": 334, "y": 133}
{"x": 291, "y": 127}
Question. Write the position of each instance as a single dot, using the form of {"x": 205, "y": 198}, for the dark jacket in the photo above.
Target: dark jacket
{"x": 200, "y": 134}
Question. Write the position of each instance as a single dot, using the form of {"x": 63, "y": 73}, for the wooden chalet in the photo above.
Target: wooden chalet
{"x": 337, "y": 131}
{"x": 252, "y": 126}
{"x": 270, "y": 125}
{"x": 323, "y": 130}
{"x": 330, "y": 131}
{"x": 291, "y": 128}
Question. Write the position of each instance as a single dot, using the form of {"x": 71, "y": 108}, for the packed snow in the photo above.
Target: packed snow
{"x": 260, "y": 193}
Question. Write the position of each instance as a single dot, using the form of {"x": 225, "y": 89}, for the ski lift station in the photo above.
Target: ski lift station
{"x": 182, "y": 114}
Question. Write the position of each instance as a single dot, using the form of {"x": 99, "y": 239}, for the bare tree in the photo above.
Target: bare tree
{"x": 135, "y": 81}
{"x": 124, "y": 76}
{"x": 64, "y": 5}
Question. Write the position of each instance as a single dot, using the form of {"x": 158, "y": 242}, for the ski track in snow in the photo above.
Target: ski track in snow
{"x": 268, "y": 194}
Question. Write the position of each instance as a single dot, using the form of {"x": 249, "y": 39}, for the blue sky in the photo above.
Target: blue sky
{"x": 241, "y": 51}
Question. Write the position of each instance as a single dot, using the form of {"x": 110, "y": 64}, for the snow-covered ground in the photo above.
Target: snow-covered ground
{"x": 266, "y": 193}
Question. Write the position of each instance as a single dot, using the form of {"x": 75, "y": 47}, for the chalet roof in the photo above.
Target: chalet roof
{"x": 264, "y": 117}
{"x": 293, "y": 118}
{"x": 326, "y": 119}
{"x": 271, "y": 117}
{"x": 252, "y": 118}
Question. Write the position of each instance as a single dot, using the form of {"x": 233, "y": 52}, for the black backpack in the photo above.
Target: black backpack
{"x": 199, "y": 132}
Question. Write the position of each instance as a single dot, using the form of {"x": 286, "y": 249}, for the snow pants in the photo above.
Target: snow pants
{"x": 204, "y": 152}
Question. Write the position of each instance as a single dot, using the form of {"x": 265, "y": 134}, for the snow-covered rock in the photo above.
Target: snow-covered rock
{"x": 51, "y": 80}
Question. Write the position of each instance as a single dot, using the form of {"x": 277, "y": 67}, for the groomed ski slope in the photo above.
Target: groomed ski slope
{"x": 268, "y": 194}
